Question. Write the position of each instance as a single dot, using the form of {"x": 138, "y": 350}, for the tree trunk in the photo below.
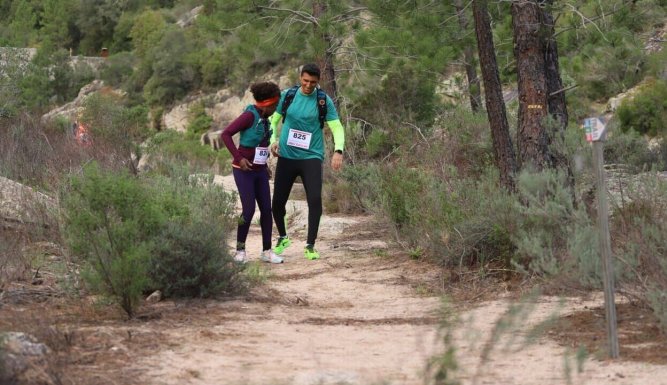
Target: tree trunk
{"x": 532, "y": 138}
{"x": 557, "y": 106}
{"x": 470, "y": 63}
{"x": 556, "y": 95}
{"x": 495, "y": 105}
{"x": 325, "y": 59}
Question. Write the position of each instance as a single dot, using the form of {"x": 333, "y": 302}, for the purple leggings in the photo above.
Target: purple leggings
{"x": 254, "y": 186}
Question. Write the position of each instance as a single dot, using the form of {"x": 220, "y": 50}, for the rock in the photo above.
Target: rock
{"x": 72, "y": 109}
{"x": 187, "y": 19}
{"x": 178, "y": 117}
{"x": 155, "y": 297}
{"x": 226, "y": 106}
{"x": 23, "y": 207}
{"x": 616, "y": 101}
{"x": 25, "y": 361}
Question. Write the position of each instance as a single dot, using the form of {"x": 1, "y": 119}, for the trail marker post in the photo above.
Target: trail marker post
{"x": 596, "y": 133}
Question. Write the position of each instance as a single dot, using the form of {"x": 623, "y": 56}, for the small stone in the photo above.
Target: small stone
{"x": 155, "y": 297}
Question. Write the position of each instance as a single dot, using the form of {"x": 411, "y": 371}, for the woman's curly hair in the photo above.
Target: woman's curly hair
{"x": 264, "y": 90}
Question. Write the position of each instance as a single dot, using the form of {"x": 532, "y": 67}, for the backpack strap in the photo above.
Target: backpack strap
{"x": 322, "y": 106}
{"x": 287, "y": 100}
{"x": 321, "y": 103}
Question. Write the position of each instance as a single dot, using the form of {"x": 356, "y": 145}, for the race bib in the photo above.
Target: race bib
{"x": 261, "y": 155}
{"x": 300, "y": 139}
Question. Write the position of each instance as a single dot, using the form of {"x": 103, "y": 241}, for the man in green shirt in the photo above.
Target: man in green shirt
{"x": 300, "y": 151}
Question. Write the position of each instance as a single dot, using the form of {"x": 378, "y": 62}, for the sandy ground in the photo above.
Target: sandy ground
{"x": 359, "y": 317}
{"x": 343, "y": 319}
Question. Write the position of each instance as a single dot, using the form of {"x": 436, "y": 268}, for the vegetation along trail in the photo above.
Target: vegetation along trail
{"x": 358, "y": 316}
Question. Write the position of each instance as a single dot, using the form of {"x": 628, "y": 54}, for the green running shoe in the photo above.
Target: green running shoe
{"x": 282, "y": 244}
{"x": 311, "y": 253}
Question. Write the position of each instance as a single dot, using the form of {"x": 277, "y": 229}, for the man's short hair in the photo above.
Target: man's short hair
{"x": 311, "y": 69}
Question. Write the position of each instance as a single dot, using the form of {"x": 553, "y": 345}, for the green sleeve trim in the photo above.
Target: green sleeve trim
{"x": 274, "y": 119}
{"x": 338, "y": 134}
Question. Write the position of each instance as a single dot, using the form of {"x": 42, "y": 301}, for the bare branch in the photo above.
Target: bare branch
{"x": 348, "y": 14}
{"x": 304, "y": 16}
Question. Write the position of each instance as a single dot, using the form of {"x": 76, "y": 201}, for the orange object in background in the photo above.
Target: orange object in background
{"x": 82, "y": 136}
{"x": 104, "y": 52}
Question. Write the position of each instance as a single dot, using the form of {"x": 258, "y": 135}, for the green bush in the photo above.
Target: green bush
{"x": 352, "y": 191}
{"x": 646, "y": 112}
{"x": 192, "y": 260}
{"x": 200, "y": 121}
{"x": 117, "y": 69}
{"x": 50, "y": 78}
{"x": 115, "y": 128}
{"x": 111, "y": 221}
{"x": 639, "y": 236}
{"x": 552, "y": 235}
{"x": 191, "y": 257}
{"x": 481, "y": 231}
{"x": 632, "y": 149}
{"x": 215, "y": 67}
{"x": 158, "y": 233}
{"x": 167, "y": 147}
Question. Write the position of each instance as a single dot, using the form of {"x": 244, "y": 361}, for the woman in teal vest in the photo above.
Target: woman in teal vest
{"x": 249, "y": 166}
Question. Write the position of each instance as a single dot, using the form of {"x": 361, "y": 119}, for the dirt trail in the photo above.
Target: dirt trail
{"x": 347, "y": 318}
{"x": 358, "y": 316}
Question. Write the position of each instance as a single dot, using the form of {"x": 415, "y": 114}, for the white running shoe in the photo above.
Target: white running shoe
{"x": 240, "y": 256}
{"x": 271, "y": 257}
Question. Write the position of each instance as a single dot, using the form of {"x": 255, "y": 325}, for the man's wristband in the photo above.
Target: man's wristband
{"x": 339, "y": 151}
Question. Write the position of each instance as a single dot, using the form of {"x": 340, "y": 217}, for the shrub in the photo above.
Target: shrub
{"x": 192, "y": 260}
{"x": 112, "y": 220}
{"x": 162, "y": 233}
{"x": 639, "y": 236}
{"x": 115, "y": 128}
{"x": 632, "y": 149}
{"x": 200, "y": 121}
{"x": 191, "y": 257}
{"x": 353, "y": 190}
{"x": 481, "y": 232}
{"x": 552, "y": 234}
{"x": 646, "y": 112}
{"x": 118, "y": 69}
{"x": 167, "y": 147}
{"x": 35, "y": 154}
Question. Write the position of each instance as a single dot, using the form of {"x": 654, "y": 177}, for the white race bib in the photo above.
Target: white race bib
{"x": 300, "y": 139}
{"x": 261, "y": 155}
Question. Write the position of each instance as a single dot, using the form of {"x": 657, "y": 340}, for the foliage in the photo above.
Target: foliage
{"x": 396, "y": 111}
{"x": 158, "y": 232}
{"x": 646, "y": 111}
{"x": 96, "y": 21}
{"x": 50, "y": 78}
{"x": 117, "y": 69}
{"x": 634, "y": 150}
{"x": 36, "y": 154}
{"x": 171, "y": 75}
{"x": 191, "y": 258}
{"x": 200, "y": 121}
{"x": 112, "y": 221}
{"x": 553, "y": 236}
{"x": 169, "y": 147}
{"x": 192, "y": 261}
{"x": 639, "y": 228}
{"x": 115, "y": 127}
{"x": 353, "y": 190}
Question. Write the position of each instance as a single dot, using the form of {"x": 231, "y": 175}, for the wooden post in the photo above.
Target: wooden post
{"x": 605, "y": 248}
